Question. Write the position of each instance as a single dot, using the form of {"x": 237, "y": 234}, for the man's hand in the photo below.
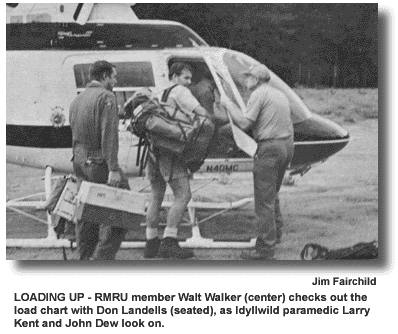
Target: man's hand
{"x": 220, "y": 115}
{"x": 237, "y": 116}
{"x": 224, "y": 103}
{"x": 114, "y": 178}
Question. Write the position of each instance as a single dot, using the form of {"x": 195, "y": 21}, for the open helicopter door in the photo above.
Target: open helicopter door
{"x": 224, "y": 82}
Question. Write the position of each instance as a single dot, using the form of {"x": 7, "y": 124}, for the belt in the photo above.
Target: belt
{"x": 92, "y": 155}
{"x": 90, "y": 152}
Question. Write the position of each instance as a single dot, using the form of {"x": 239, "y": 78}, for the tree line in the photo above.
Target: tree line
{"x": 311, "y": 44}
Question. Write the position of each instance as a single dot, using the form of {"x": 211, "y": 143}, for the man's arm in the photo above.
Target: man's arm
{"x": 205, "y": 97}
{"x": 237, "y": 116}
{"x": 187, "y": 102}
{"x": 110, "y": 137}
{"x": 202, "y": 111}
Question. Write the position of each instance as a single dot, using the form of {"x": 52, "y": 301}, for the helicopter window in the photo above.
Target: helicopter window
{"x": 129, "y": 74}
{"x": 238, "y": 63}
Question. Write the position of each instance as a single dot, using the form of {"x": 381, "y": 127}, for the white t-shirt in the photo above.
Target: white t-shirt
{"x": 182, "y": 99}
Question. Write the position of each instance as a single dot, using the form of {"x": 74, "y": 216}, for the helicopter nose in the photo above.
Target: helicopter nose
{"x": 317, "y": 128}
{"x": 316, "y": 139}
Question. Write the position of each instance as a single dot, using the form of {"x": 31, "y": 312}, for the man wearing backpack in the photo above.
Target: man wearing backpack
{"x": 171, "y": 168}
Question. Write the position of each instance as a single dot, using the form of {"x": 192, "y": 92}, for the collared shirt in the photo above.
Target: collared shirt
{"x": 269, "y": 109}
{"x": 94, "y": 122}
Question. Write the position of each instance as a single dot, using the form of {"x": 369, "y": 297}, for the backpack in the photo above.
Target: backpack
{"x": 360, "y": 251}
{"x": 155, "y": 128}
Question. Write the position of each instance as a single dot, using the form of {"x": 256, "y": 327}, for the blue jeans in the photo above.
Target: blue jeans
{"x": 270, "y": 163}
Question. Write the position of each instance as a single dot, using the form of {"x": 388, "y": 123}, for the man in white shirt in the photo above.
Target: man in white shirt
{"x": 170, "y": 168}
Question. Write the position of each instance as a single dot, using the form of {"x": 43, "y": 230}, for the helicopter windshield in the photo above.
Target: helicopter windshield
{"x": 238, "y": 63}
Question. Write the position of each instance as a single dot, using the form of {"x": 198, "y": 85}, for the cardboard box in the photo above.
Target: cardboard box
{"x": 101, "y": 204}
{"x": 65, "y": 206}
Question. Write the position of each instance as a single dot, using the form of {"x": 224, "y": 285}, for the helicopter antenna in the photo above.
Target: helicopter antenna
{"x": 82, "y": 12}
{"x": 30, "y": 11}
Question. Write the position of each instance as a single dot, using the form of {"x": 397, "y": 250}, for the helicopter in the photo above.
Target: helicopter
{"x": 50, "y": 48}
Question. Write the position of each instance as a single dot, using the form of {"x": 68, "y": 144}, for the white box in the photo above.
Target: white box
{"x": 65, "y": 206}
{"x": 101, "y": 204}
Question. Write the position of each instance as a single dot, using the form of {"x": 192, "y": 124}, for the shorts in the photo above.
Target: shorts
{"x": 168, "y": 166}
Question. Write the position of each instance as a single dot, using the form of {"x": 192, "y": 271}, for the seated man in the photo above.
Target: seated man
{"x": 207, "y": 94}
{"x": 170, "y": 168}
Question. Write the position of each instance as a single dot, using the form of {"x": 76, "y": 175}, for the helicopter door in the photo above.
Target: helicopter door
{"x": 229, "y": 91}
{"x": 225, "y": 81}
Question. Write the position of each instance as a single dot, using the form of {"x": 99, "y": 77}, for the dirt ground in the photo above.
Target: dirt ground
{"x": 335, "y": 204}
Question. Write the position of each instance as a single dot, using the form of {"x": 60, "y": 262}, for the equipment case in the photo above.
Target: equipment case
{"x": 65, "y": 206}
{"x": 99, "y": 203}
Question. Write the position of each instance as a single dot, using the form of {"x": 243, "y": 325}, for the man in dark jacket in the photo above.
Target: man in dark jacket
{"x": 94, "y": 122}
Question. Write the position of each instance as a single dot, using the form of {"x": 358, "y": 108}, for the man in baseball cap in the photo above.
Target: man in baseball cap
{"x": 268, "y": 115}
{"x": 258, "y": 71}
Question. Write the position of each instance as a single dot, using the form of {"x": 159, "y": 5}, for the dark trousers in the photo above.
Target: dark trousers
{"x": 92, "y": 237}
{"x": 270, "y": 163}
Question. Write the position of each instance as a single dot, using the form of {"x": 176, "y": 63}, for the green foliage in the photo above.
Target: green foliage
{"x": 341, "y": 105}
{"x": 312, "y": 44}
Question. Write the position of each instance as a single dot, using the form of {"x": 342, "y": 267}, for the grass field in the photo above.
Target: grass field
{"x": 334, "y": 204}
{"x": 343, "y": 106}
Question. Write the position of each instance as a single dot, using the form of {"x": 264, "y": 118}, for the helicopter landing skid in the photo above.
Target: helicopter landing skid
{"x": 37, "y": 201}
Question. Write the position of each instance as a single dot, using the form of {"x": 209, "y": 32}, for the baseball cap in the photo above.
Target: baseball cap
{"x": 258, "y": 71}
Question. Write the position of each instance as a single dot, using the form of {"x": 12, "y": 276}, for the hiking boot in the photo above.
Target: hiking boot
{"x": 262, "y": 251}
{"x": 151, "y": 248}
{"x": 169, "y": 248}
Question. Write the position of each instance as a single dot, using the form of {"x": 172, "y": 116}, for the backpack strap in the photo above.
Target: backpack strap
{"x": 142, "y": 153}
{"x": 165, "y": 96}
{"x": 136, "y": 111}
{"x": 144, "y": 158}
{"x": 166, "y": 93}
